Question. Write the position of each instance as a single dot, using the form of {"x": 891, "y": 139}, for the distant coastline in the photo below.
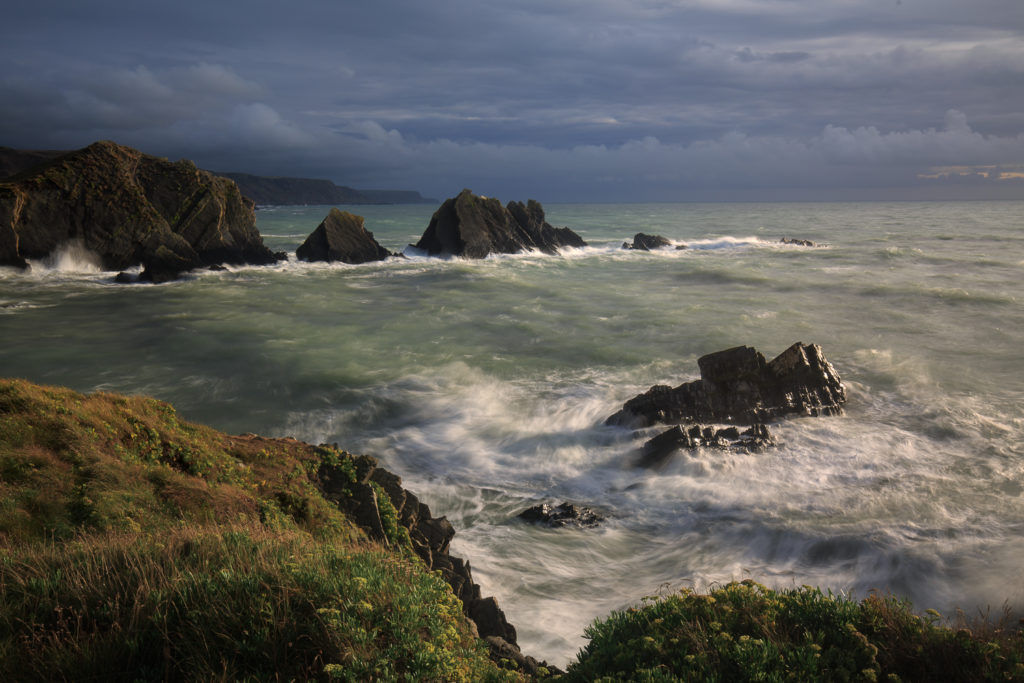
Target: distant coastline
{"x": 284, "y": 191}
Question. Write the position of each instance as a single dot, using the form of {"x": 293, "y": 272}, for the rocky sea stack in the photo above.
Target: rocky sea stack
{"x": 129, "y": 209}
{"x": 472, "y": 226}
{"x": 739, "y": 386}
{"x": 341, "y": 236}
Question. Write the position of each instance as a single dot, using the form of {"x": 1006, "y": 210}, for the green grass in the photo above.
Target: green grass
{"x": 227, "y": 604}
{"x": 746, "y": 632}
{"x": 137, "y": 546}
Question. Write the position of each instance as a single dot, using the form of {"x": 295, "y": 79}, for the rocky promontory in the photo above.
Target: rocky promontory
{"x": 341, "y": 236}
{"x": 473, "y": 226}
{"x": 129, "y": 209}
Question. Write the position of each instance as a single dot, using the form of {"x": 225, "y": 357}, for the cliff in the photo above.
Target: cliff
{"x": 183, "y": 553}
{"x": 128, "y": 208}
{"x": 282, "y": 191}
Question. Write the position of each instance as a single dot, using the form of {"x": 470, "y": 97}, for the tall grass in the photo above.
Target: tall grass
{"x": 228, "y": 603}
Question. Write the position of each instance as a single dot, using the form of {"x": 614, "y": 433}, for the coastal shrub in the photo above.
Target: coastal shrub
{"x": 747, "y": 632}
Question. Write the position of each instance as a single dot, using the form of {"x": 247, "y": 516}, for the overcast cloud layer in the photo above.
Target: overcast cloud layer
{"x": 560, "y": 100}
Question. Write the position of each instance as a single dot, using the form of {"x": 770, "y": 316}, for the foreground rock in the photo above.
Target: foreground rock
{"x": 658, "y": 450}
{"x": 474, "y": 227}
{"x": 739, "y": 386}
{"x": 341, "y": 236}
{"x": 644, "y": 242}
{"x": 128, "y": 208}
{"x": 562, "y": 515}
{"x": 430, "y": 537}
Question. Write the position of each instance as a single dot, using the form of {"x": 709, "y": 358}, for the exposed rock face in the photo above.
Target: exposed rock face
{"x": 563, "y": 515}
{"x": 430, "y": 537}
{"x": 129, "y": 208}
{"x": 656, "y": 451}
{"x": 646, "y": 242}
{"x": 738, "y": 386}
{"x": 341, "y": 236}
{"x": 472, "y": 226}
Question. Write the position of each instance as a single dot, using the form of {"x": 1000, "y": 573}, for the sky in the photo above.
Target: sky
{"x": 557, "y": 100}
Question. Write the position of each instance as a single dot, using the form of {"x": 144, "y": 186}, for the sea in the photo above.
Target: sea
{"x": 485, "y": 385}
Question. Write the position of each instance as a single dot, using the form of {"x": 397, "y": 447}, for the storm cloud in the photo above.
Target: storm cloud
{"x": 567, "y": 101}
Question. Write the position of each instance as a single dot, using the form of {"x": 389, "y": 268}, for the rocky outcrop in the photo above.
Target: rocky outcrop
{"x": 428, "y": 536}
{"x": 474, "y": 227}
{"x": 656, "y": 451}
{"x": 796, "y": 242}
{"x": 562, "y": 515}
{"x": 129, "y": 208}
{"x": 644, "y": 242}
{"x": 341, "y": 236}
{"x": 739, "y": 386}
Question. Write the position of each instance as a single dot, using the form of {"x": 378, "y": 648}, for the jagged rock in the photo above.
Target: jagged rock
{"x": 473, "y": 227}
{"x": 657, "y": 450}
{"x": 501, "y": 649}
{"x": 800, "y": 243}
{"x": 341, "y": 236}
{"x": 646, "y": 242}
{"x": 129, "y": 208}
{"x": 430, "y": 538}
{"x": 738, "y": 386}
{"x": 367, "y": 512}
{"x": 558, "y": 516}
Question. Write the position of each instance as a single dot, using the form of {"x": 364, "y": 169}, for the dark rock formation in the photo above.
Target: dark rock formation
{"x": 341, "y": 237}
{"x": 472, "y": 226}
{"x": 738, "y": 386}
{"x": 800, "y": 243}
{"x": 656, "y": 451}
{"x": 646, "y": 242}
{"x": 565, "y": 514}
{"x": 430, "y": 538}
{"x": 129, "y": 208}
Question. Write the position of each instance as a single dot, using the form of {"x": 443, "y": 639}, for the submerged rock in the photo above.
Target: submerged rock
{"x": 474, "y": 227}
{"x": 128, "y": 208}
{"x": 558, "y": 516}
{"x": 739, "y": 386}
{"x": 644, "y": 242}
{"x": 656, "y": 451}
{"x": 341, "y": 236}
{"x": 799, "y": 243}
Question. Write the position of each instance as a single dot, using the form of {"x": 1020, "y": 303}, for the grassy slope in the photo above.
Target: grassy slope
{"x": 135, "y": 545}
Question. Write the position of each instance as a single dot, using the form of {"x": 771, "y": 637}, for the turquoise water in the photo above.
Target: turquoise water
{"x": 485, "y": 386}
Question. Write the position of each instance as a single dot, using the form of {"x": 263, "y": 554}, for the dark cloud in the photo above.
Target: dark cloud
{"x": 596, "y": 99}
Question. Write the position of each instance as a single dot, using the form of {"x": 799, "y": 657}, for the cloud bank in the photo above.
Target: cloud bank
{"x": 571, "y": 101}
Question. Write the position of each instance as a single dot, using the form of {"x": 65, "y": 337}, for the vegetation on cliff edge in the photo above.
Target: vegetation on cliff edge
{"x": 744, "y": 631}
{"x": 135, "y": 545}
